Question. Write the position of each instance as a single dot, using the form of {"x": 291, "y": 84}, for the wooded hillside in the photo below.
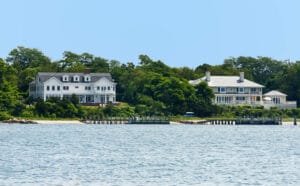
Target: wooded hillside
{"x": 150, "y": 87}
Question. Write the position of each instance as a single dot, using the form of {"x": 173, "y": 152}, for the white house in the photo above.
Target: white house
{"x": 233, "y": 90}
{"x": 89, "y": 87}
{"x": 276, "y": 98}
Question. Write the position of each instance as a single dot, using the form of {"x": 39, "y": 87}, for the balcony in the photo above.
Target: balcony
{"x": 240, "y": 93}
{"x": 286, "y": 105}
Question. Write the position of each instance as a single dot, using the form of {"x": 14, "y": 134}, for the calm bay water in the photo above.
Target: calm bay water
{"x": 149, "y": 155}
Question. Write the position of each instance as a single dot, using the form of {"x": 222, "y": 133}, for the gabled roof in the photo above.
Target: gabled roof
{"x": 274, "y": 93}
{"x": 44, "y": 76}
{"x": 226, "y": 81}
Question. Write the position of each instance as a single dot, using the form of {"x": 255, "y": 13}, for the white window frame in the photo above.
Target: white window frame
{"x": 240, "y": 98}
{"x": 241, "y": 90}
{"x": 87, "y": 78}
{"x": 76, "y": 78}
{"x": 224, "y": 90}
{"x": 65, "y": 78}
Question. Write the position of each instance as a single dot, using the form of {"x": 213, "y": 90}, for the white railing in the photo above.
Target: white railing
{"x": 287, "y": 105}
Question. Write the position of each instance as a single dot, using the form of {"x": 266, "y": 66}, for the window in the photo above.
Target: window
{"x": 65, "y": 87}
{"x": 53, "y": 87}
{"x": 241, "y": 90}
{"x": 240, "y": 98}
{"x": 253, "y": 90}
{"x": 222, "y": 90}
{"x": 87, "y": 88}
{"x": 87, "y": 78}
{"x": 98, "y": 88}
{"x": 76, "y": 86}
{"x": 108, "y": 88}
{"x": 48, "y": 87}
{"x": 65, "y": 78}
{"x": 76, "y": 78}
{"x": 102, "y": 88}
{"x": 276, "y": 100}
{"x": 58, "y": 87}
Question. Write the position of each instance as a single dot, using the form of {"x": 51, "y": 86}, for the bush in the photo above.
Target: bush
{"x": 4, "y": 116}
{"x": 27, "y": 114}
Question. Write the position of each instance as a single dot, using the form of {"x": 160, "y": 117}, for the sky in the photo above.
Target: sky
{"x": 179, "y": 33}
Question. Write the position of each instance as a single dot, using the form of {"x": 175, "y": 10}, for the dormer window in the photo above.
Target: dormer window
{"x": 76, "y": 78}
{"x": 65, "y": 78}
{"x": 87, "y": 78}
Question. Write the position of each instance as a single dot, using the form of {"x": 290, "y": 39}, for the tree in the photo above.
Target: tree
{"x": 203, "y": 106}
{"x": 22, "y": 58}
{"x": 69, "y": 59}
{"x": 204, "y": 92}
{"x": 25, "y": 77}
{"x": 98, "y": 64}
{"x": 185, "y": 73}
{"x": 9, "y": 95}
{"x": 289, "y": 82}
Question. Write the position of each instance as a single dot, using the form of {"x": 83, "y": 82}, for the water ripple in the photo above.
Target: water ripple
{"x": 149, "y": 155}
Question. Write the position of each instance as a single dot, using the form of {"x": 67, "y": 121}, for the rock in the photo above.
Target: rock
{"x": 19, "y": 121}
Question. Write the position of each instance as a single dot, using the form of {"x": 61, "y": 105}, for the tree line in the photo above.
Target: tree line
{"x": 149, "y": 87}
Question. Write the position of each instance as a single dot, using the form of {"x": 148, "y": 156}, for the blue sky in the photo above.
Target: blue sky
{"x": 180, "y": 33}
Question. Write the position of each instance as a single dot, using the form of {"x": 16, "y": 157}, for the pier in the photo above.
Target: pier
{"x": 149, "y": 120}
{"x": 209, "y": 122}
{"x": 105, "y": 121}
{"x": 120, "y": 120}
{"x": 259, "y": 121}
{"x": 222, "y": 121}
{"x": 236, "y": 121}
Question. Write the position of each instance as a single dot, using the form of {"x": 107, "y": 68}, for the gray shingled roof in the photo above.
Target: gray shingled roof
{"x": 44, "y": 76}
{"x": 226, "y": 81}
{"x": 274, "y": 93}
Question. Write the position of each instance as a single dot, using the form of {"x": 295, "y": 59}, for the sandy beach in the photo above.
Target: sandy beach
{"x": 289, "y": 123}
{"x": 79, "y": 122}
{"x": 58, "y": 122}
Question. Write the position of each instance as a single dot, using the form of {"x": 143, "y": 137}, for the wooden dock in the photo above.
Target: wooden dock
{"x": 149, "y": 121}
{"x": 259, "y": 121}
{"x": 105, "y": 122}
{"x": 237, "y": 121}
{"x": 133, "y": 120}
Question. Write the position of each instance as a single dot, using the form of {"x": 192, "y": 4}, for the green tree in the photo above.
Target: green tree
{"x": 9, "y": 95}
{"x": 203, "y": 106}
{"x": 22, "y": 58}
{"x": 98, "y": 64}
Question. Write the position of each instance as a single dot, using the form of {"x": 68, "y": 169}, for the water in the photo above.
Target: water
{"x": 149, "y": 155}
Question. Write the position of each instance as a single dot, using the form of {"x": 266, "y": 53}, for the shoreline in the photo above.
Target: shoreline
{"x": 78, "y": 122}
{"x": 47, "y": 122}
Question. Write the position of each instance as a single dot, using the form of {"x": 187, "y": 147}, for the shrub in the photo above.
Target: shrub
{"x": 4, "y": 116}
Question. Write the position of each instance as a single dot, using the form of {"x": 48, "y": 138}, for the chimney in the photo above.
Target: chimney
{"x": 87, "y": 71}
{"x": 242, "y": 76}
{"x": 207, "y": 74}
